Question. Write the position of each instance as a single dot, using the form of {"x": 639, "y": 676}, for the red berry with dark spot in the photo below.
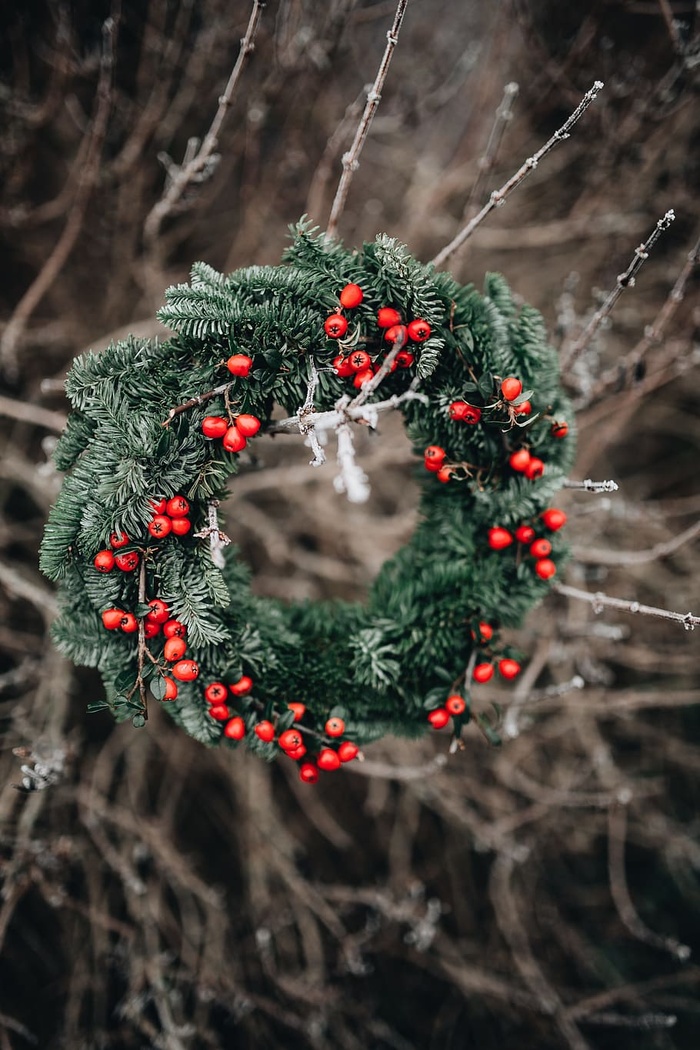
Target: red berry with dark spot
{"x": 104, "y": 561}
{"x": 242, "y": 687}
{"x": 170, "y": 688}
{"x": 129, "y": 624}
{"x": 444, "y": 474}
{"x": 158, "y": 505}
{"x": 545, "y": 568}
{"x": 519, "y": 459}
{"x": 347, "y": 751}
{"x": 247, "y": 425}
{"x": 559, "y": 430}
{"x": 499, "y": 539}
{"x": 351, "y": 296}
{"x": 150, "y": 629}
{"x": 361, "y": 378}
{"x": 553, "y": 518}
{"x": 541, "y": 548}
{"x": 239, "y": 365}
{"x": 127, "y": 562}
{"x": 118, "y": 539}
{"x": 181, "y": 526}
{"x": 334, "y": 727}
{"x": 419, "y": 330}
{"x": 174, "y": 649}
{"x": 290, "y": 740}
{"x": 342, "y": 366}
{"x": 511, "y": 388}
{"x": 462, "y": 412}
{"x": 328, "y": 759}
{"x": 524, "y": 534}
{"x": 439, "y": 717}
{"x": 308, "y": 773}
{"x": 112, "y": 618}
{"x": 456, "y": 704}
{"x": 387, "y": 316}
{"x": 159, "y": 610}
{"x": 534, "y": 469}
{"x": 160, "y": 526}
{"x": 404, "y": 359}
{"x": 396, "y": 334}
{"x": 215, "y": 693}
{"x": 483, "y": 672}
{"x": 508, "y": 668}
{"x": 214, "y": 426}
{"x": 235, "y": 729}
{"x": 435, "y": 455}
{"x": 524, "y": 408}
{"x": 177, "y": 507}
{"x": 174, "y": 629}
{"x": 296, "y": 753}
{"x": 265, "y": 731}
{"x": 335, "y": 326}
{"x": 359, "y": 361}
{"x": 185, "y": 670}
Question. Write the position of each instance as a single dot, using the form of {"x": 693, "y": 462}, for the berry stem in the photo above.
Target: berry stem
{"x": 200, "y": 399}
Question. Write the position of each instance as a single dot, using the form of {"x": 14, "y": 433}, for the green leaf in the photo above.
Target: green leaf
{"x": 97, "y": 705}
{"x": 157, "y": 687}
{"x": 285, "y": 721}
{"x": 124, "y": 680}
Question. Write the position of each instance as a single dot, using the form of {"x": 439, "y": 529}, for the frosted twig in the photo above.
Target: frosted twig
{"x": 352, "y": 479}
{"x": 659, "y": 550}
{"x": 617, "y": 833}
{"x": 672, "y": 26}
{"x": 624, "y": 280}
{"x": 498, "y": 197}
{"x": 600, "y": 600}
{"x": 504, "y": 115}
{"x": 200, "y": 399}
{"x": 217, "y": 539}
{"x": 325, "y": 421}
{"x": 351, "y": 159}
{"x": 199, "y": 164}
{"x": 591, "y": 486}
{"x": 305, "y": 415}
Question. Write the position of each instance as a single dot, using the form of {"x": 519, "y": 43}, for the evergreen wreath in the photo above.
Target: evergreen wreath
{"x": 145, "y": 591}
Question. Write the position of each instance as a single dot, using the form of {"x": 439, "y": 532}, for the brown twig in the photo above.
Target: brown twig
{"x": 659, "y": 550}
{"x": 671, "y": 25}
{"x": 351, "y": 159}
{"x": 200, "y": 399}
{"x": 503, "y": 116}
{"x": 498, "y": 197}
{"x": 600, "y": 600}
{"x": 196, "y": 167}
{"x": 142, "y": 647}
{"x": 34, "y": 414}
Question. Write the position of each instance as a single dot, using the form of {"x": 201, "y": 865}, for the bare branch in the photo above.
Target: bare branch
{"x": 659, "y": 550}
{"x": 600, "y": 600}
{"x": 591, "y": 486}
{"x": 498, "y": 197}
{"x": 351, "y": 160}
{"x": 504, "y": 115}
{"x": 34, "y": 414}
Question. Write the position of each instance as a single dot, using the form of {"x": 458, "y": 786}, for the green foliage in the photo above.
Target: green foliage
{"x": 412, "y": 640}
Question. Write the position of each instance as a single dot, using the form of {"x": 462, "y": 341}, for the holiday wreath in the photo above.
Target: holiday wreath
{"x": 333, "y": 337}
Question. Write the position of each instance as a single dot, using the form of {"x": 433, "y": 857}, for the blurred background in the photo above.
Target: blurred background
{"x": 541, "y": 894}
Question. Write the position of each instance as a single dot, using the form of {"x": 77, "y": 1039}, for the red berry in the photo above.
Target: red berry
{"x": 150, "y": 628}
{"x": 524, "y": 408}
{"x": 483, "y": 633}
{"x": 235, "y": 729}
{"x": 215, "y": 693}
{"x": 160, "y": 526}
{"x": 483, "y": 672}
{"x": 396, "y": 334}
{"x": 559, "y": 430}
{"x": 112, "y": 618}
{"x": 159, "y": 610}
{"x": 508, "y": 668}
{"x": 335, "y": 326}
{"x": 499, "y": 539}
{"x": 439, "y": 717}
{"x": 104, "y": 561}
{"x": 177, "y": 507}
{"x": 456, "y": 704}
{"x": 462, "y": 412}
{"x": 265, "y": 731}
{"x": 553, "y": 518}
{"x": 419, "y": 330}
{"x": 234, "y": 441}
{"x": 181, "y": 526}
{"x": 290, "y": 740}
{"x": 361, "y": 378}
{"x": 239, "y": 365}
{"x": 444, "y": 474}
{"x": 519, "y": 459}
{"x": 174, "y": 629}
{"x": 296, "y": 753}
{"x": 436, "y": 455}
{"x": 308, "y": 773}
{"x": 524, "y": 534}
{"x": 359, "y": 361}
{"x": 247, "y": 425}
{"x": 174, "y": 649}
{"x": 545, "y": 568}
{"x": 185, "y": 670}
{"x": 118, "y": 539}
{"x": 351, "y": 296}
{"x": 347, "y": 751}
{"x": 328, "y": 759}
{"x": 158, "y": 505}
{"x": 511, "y": 388}
{"x": 242, "y": 687}
{"x": 541, "y": 548}
{"x": 342, "y": 366}
{"x": 404, "y": 359}
{"x": 534, "y": 469}
{"x": 298, "y": 709}
{"x": 214, "y": 426}
{"x": 127, "y": 562}
{"x": 387, "y": 316}
{"x": 334, "y": 727}
{"x": 170, "y": 688}
{"x": 129, "y": 624}
{"x": 219, "y": 712}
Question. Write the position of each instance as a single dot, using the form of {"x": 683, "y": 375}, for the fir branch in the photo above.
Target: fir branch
{"x": 498, "y": 197}
{"x": 351, "y": 159}
{"x": 624, "y": 280}
{"x": 599, "y": 601}
{"x": 591, "y": 486}
{"x": 200, "y": 166}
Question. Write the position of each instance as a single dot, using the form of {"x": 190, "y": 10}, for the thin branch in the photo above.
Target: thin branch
{"x": 498, "y": 197}
{"x": 34, "y": 414}
{"x": 218, "y": 540}
{"x": 351, "y": 159}
{"x": 142, "y": 647}
{"x": 503, "y": 117}
{"x": 591, "y": 486}
{"x": 672, "y": 26}
{"x": 200, "y": 399}
{"x": 659, "y": 550}
{"x": 386, "y": 771}
{"x": 624, "y": 280}
{"x": 197, "y": 167}
{"x": 600, "y": 600}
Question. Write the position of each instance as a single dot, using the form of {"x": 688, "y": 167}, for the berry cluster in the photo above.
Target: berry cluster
{"x": 106, "y": 560}
{"x": 525, "y": 535}
{"x": 235, "y": 430}
{"x": 358, "y": 364}
{"x": 169, "y": 516}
